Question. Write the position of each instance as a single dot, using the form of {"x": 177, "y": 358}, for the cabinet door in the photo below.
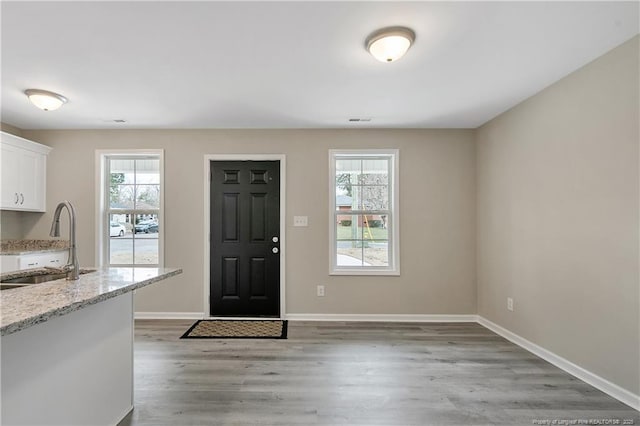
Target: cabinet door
{"x": 56, "y": 259}
{"x": 32, "y": 181}
{"x": 10, "y": 175}
{"x": 30, "y": 261}
{"x": 8, "y": 263}
{"x": 23, "y": 175}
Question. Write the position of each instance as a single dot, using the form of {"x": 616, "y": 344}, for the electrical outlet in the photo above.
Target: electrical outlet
{"x": 320, "y": 291}
{"x": 300, "y": 221}
{"x": 509, "y": 303}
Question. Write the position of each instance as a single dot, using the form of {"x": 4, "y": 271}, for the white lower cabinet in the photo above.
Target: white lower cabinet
{"x": 55, "y": 259}
{"x": 72, "y": 370}
{"x": 23, "y": 170}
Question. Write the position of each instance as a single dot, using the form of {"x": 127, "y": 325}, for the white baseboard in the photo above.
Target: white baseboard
{"x": 168, "y": 315}
{"x": 121, "y": 418}
{"x": 622, "y": 395}
{"x": 382, "y": 317}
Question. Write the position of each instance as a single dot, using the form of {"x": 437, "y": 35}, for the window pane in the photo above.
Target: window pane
{"x": 146, "y": 252}
{"x": 356, "y": 197}
{"x": 147, "y": 197}
{"x": 122, "y": 171}
{"x": 347, "y": 170}
{"x": 375, "y": 197}
{"x": 376, "y": 253}
{"x": 146, "y": 224}
{"x": 345, "y": 180}
{"x": 349, "y": 254}
{"x": 119, "y": 226}
{"x": 147, "y": 171}
{"x": 344, "y": 202}
{"x": 374, "y": 172}
{"x": 374, "y": 228}
{"x": 121, "y": 196}
{"x": 348, "y": 227}
{"x": 120, "y": 251}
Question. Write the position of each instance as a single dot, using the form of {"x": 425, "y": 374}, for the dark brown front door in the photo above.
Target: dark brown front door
{"x": 245, "y": 238}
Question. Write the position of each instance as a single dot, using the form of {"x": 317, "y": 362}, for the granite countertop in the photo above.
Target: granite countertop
{"x": 34, "y": 272}
{"x": 32, "y": 304}
{"x": 17, "y": 247}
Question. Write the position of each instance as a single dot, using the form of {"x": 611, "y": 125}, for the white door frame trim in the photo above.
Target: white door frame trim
{"x": 207, "y": 210}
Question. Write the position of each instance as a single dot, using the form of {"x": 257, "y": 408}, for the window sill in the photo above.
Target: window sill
{"x": 356, "y": 272}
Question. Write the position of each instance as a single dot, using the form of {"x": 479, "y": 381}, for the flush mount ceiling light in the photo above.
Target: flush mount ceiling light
{"x": 44, "y": 99}
{"x": 390, "y": 44}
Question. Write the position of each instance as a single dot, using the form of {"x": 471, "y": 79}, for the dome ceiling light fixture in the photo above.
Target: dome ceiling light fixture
{"x": 390, "y": 44}
{"x": 45, "y": 100}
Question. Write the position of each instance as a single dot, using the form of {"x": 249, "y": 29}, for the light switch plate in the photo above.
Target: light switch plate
{"x": 300, "y": 221}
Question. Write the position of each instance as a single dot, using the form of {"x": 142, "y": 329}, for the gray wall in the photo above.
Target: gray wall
{"x": 11, "y": 224}
{"x": 437, "y": 213}
{"x": 557, "y": 191}
{"x": 10, "y": 129}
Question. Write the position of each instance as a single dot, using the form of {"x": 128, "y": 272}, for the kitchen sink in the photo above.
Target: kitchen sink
{"x": 35, "y": 279}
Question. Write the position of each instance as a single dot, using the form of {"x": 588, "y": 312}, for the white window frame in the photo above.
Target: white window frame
{"x": 394, "y": 208}
{"x": 102, "y": 218}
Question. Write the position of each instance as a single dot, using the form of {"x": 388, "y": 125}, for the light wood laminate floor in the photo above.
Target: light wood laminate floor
{"x": 335, "y": 373}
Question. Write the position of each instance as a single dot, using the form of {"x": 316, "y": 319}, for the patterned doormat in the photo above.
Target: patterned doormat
{"x": 236, "y": 329}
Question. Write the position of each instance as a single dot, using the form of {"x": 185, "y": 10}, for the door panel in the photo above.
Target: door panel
{"x": 245, "y": 218}
{"x": 258, "y": 217}
{"x": 258, "y": 277}
{"x": 230, "y": 217}
{"x": 230, "y": 275}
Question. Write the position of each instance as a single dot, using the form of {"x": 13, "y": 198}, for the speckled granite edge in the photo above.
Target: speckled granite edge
{"x": 44, "y": 314}
{"x": 36, "y": 271}
{"x": 17, "y": 247}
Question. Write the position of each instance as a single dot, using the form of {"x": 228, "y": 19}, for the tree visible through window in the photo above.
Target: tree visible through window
{"x": 363, "y": 229}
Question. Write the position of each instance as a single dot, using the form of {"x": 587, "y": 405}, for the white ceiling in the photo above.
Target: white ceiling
{"x": 292, "y": 64}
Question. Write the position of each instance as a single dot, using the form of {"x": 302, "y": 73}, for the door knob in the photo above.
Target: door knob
{"x": 275, "y": 249}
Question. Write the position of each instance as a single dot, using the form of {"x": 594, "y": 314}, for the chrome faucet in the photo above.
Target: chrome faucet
{"x": 71, "y": 268}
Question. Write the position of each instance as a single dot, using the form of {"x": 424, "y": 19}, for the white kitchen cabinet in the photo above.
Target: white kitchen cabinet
{"x": 23, "y": 174}
{"x": 8, "y": 263}
{"x": 18, "y": 262}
